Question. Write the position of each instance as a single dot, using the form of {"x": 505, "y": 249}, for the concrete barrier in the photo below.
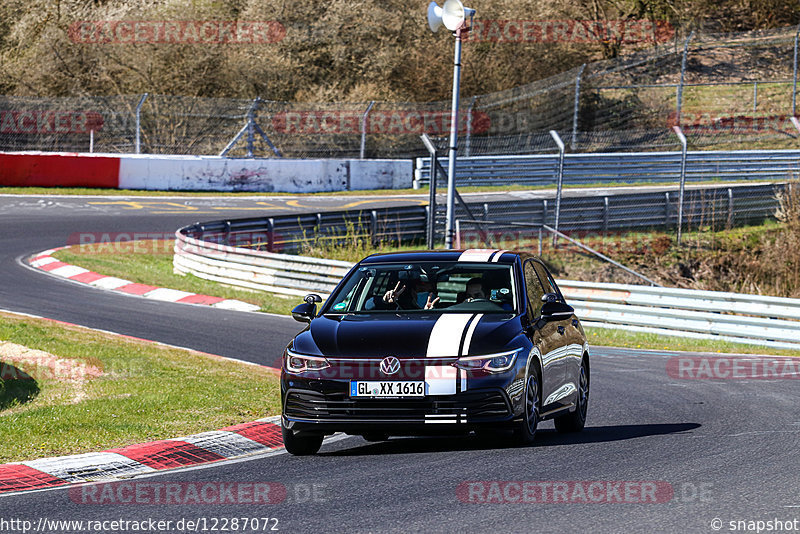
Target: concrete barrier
{"x": 201, "y": 173}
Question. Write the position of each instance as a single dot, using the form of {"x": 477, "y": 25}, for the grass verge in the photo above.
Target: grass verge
{"x": 145, "y": 392}
{"x": 150, "y": 262}
{"x": 609, "y": 337}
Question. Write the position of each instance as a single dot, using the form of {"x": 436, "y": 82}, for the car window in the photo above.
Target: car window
{"x": 460, "y": 287}
{"x": 535, "y": 289}
{"x": 545, "y": 278}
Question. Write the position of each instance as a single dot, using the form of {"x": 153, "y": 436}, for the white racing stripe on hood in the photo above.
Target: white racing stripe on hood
{"x": 446, "y": 335}
{"x": 444, "y": 341}
{"x": 477, "y": 254}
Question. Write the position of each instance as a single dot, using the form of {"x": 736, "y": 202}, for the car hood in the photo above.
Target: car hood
{"x": 409, "y": 335}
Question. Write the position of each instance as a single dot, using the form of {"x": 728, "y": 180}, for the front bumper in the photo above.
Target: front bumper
{"x": 305, "y": 409}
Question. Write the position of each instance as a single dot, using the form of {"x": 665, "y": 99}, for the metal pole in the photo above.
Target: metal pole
{"x": 468, "y": 141}
{"x": 576, "y": 107}
{"x": 755, "y": 96}
{"x": 139, "y": 122}
{"x": 682, "y": 138}
{"x": 794, "y": 73}
{"x": 561, "y": 149}
{"x": 451, "y": 164}
{"x": 251, "y": 130}
{"x": 432, "y": 201}
{"x": 364, "y": 129}
{"x": 91, "y": 141}
{"x": 680, "y": 85}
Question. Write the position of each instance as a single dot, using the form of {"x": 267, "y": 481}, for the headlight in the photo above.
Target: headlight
{"x": 298, "y": 363}
{"x": 494, "y": 363}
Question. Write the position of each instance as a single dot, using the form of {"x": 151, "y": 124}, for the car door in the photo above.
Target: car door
{"x": 569, "y": 341}
{"x": 544, "y": 336}
{"x": 574, "y": 338}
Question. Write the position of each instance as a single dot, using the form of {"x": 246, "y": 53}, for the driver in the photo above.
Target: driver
{"x": 475, "y": 289}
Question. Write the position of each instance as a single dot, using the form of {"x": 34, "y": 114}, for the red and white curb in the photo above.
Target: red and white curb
{"x": 232, "y": 442}
{"x": 44, "y": 261}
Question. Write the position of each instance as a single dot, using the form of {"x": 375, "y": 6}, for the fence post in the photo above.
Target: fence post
{"x": 432, "y": 201}
{"x": 468, "y": 141}
{"x": 755, "y": 96}
{"x": 560, "y": 177}
{"x": 251, "y": 130}
{"x": 682, "y": 139}
{"x": 576, "y": 107}
{"x": 794, "y": 73}
{"x": 605, "y": 215}
{"x": 731, "y": 213}
{"x": 680, "y": 85}
{"x": 364, "y": 129}
{"x": 139, "y": 123}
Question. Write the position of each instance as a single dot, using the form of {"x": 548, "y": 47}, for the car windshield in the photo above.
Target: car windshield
{"x": 458, "y": 287}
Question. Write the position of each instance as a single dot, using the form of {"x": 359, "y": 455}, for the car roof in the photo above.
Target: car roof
{"x": 470, "y": 255}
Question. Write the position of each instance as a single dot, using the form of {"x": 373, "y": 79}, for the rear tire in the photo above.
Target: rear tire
{"x": 525, "y": 432}
{"x": 575, "y": 421}
{"x": 300, "y": 444}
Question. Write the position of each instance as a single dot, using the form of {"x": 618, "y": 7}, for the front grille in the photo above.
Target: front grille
{"x": 476, "y": 405}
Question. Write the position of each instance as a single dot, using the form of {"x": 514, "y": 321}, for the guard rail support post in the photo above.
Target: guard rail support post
{"x": 682, "y": 139}
{"x": 139, "y": 123}
{"x": 373, "y": 227}
{"x": 576, "y": 107}
{"x": 560, "y": 177}
{"x": 434, "y": 172}
{"x": 271, "y": 234}
{"x": 364, "y": 129}
{"x": 680, "y": 85}
{"x": 731, "y": 213}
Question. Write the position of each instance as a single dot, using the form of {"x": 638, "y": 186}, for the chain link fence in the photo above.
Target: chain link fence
{"x": 726, "y": 91}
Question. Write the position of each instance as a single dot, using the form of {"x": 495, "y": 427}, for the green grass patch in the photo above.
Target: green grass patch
{"x": 150, "y": 262}
{"x": 610, "y": 337}
{"x": 145, "y": 392}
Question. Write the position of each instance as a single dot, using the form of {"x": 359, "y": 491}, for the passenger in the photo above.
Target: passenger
{"x": 412, "y": 295}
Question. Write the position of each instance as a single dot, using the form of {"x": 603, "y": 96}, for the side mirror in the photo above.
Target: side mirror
{"x": 306, "y": 311}
{"x": 556, "y": 311}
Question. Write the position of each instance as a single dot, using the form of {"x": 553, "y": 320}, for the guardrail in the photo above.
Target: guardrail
{"x": 719, "y": 205}
{"x": 625, "y": 167}
{"x": 732, "y": 317}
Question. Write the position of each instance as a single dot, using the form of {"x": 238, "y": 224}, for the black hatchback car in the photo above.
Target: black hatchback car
{"x": 435, "y": 342}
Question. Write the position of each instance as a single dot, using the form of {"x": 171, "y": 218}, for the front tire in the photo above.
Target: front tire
{"x": 526, "y": 428}
{"x": 575, "y": 421}
{"x": 299, "y": 444}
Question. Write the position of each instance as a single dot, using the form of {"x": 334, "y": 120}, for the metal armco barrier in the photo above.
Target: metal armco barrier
{"x": 718, "y": 205}
{"x": 752, "y": 319}
{"x": 623, "y": 167}
{"x": 255, "y": 269}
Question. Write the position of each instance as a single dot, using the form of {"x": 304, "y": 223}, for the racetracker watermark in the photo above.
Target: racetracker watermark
{"x": 179, "y": 493}
{"x": 570, "y": 31}
{"x": 49, "y": 122}
{"x": 566, "y": 492}
{"x": 390, "y": 122}
{"x": 187, "y": 32}
{"x": 733, "y": 368}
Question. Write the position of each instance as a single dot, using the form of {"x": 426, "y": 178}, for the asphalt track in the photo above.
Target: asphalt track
{"x": 727, "y": 449}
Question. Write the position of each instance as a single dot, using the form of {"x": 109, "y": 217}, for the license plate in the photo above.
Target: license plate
{"x": 387, "y": 389}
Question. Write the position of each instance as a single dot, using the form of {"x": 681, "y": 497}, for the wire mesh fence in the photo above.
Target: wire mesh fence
{"x": 726, "y": 91}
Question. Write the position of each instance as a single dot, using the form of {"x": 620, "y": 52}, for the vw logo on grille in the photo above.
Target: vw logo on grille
{"x": 390, "y": 365}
